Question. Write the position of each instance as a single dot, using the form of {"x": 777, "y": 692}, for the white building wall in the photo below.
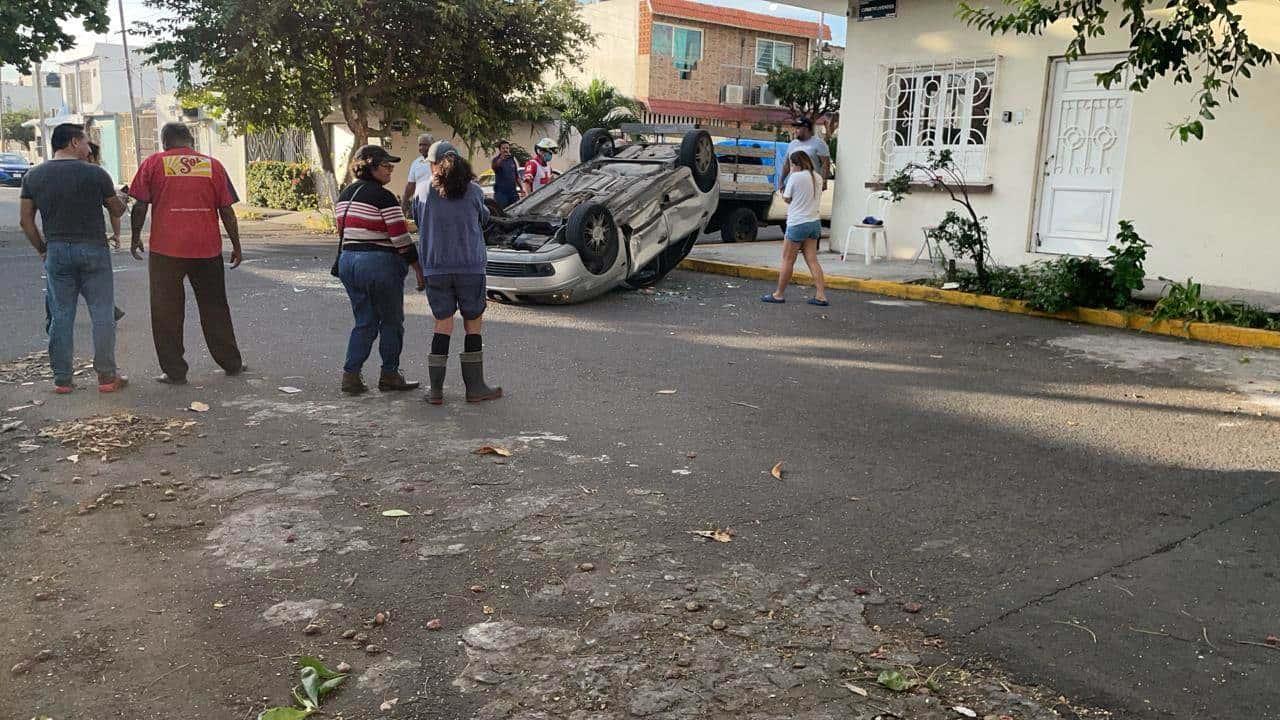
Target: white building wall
{"x": 1208, "y": 207}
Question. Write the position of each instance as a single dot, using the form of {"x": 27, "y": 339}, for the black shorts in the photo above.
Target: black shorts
{"x": 461, "y": 293}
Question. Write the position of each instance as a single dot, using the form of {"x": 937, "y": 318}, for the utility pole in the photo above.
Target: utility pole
{"x": 133, "y": 105}
{"x": 37, "y": 73}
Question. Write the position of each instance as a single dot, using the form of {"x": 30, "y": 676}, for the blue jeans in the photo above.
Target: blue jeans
{"x": 375, "y": 283}
{"x": 74, "y": 270}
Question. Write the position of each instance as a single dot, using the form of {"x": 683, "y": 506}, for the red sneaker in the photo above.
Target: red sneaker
{"x": 116, "y": 383}
{"x": 63, "y": 389}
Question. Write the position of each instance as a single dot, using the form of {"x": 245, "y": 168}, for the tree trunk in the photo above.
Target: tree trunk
{"x": 324, "y": 148}
{"x": 358, "y": 123}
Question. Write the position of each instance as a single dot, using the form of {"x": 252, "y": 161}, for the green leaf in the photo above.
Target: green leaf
{"x": 894, "y": 680}
{"x": 331, "y": 684}
{"x": 283, "y": 713}
{"x": 311, "y": 685}
{"x": 307, "y": 661}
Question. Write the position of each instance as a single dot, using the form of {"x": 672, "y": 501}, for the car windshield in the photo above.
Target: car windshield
{"x": 12, "y": 158}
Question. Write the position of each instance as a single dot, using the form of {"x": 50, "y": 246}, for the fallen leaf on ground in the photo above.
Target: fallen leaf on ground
{"x": 395, "y": 512}
{"x": 434, "y": 624}
{"x": 487, "y": 610}
{"x": 289, "y": 389}
{"x": 10, "y": 426}
{"x": 718, "y": 535}
{"x": 895, "y": 681}
{"x": 197, "y": 406}
{"x": 73, "y": 458}
{"x": 492, "y": 450}
{"x": 776, "y": 472}
{"x": 912, "y": 607}
{"x": 855, "y": 689}
{"x": 219, "y": 605}
{"x": 387, "y": 705}
{"x": 965, "y": 711}
{"x": 666, "y": 392}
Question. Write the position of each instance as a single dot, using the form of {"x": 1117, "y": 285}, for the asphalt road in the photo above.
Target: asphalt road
{"x": 1096, "y": 511}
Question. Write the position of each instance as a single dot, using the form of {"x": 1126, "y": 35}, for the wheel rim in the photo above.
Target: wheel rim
{"x": 597, "y": 235}
{"x": 743, "y": 229}
{"x": 705, "y": 155}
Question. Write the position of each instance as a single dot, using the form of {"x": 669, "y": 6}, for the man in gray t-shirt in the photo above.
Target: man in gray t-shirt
{"x": 69, "y": 194}
{"x": 812, "y": 146}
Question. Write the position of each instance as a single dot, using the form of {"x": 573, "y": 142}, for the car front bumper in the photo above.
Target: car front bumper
{"x": 554, "y": 276}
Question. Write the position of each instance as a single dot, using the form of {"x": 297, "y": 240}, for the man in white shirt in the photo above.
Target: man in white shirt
{"x": 419, "y": 171}
{"x": 812, "y": 146}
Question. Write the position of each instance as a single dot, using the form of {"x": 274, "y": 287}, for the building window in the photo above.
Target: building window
{"x": 935, "y": 107}
{"x": 772, "y": 54}
{"x": 683, "y": 45}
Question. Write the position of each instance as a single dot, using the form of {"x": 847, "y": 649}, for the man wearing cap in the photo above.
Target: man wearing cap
{"x": 419, "y": 172}
{"x": 812, "y": 146}
{"x": 435, "y": 151}
{"x": 190, "y": 193}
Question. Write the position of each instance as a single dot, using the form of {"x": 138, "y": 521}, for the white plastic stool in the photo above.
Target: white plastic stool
{"x": 877, "y": 204}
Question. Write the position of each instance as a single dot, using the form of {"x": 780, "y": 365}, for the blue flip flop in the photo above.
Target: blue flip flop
{"x": 769, "y": 298}
{"x": 819, "y": 303}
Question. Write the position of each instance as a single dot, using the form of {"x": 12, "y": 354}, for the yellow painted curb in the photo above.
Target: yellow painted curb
{"x": 1203, "y": 332}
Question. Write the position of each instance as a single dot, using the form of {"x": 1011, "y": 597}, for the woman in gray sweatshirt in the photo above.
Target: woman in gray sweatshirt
{"x": 453, "y": 215}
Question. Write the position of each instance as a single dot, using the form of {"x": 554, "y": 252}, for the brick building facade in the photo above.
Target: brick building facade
{"x": 690, "y": 62}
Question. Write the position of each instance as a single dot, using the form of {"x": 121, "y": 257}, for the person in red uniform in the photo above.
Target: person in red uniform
{"x": 190, "y": 192}
{"x": 537, "y": 172}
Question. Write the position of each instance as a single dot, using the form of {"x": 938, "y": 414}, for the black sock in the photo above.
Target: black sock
{"x": 471, "y": 343}
{"x": 440, "y": 344}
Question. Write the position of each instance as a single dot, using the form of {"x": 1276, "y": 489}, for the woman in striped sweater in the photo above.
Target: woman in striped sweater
{"x": 375, "y": 255}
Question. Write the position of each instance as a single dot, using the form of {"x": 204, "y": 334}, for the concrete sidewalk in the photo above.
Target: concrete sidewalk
{"x": 768, "y": 255}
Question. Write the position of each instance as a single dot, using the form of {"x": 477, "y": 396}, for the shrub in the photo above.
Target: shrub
{"x": 281, "y": 185}
{"x": 1125, "y": 261}
{"x": 1184, "y": 301}
{"x": 1068, "y": 282}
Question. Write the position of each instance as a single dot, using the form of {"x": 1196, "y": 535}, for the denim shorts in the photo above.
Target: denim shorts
{"x": 456, "y": 292}
{"x": 800, "y": 232}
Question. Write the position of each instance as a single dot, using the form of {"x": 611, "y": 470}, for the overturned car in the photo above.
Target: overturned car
{"x": 625, "y": 216}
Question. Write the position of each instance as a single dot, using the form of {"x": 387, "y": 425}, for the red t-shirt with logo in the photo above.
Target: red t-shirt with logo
{"x": 185, "y": 190}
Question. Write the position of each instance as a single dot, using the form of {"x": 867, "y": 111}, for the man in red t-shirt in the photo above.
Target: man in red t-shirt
{"x": 190, "y": 192}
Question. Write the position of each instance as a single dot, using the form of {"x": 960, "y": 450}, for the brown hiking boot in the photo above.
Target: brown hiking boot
{"x": 395, "y": 381}
{"x": 352, "y": 384}
{"x": 473, "y": 378}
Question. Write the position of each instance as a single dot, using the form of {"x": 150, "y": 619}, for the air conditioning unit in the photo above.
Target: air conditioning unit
{"x": 732, "y": 95}
{"x": 764, "y": 96}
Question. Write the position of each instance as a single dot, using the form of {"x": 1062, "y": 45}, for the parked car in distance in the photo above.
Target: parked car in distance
{"x": 14, "y": 166}
{"x": 626, "y": 215}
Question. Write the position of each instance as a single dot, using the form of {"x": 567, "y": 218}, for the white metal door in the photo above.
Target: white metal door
{"x": 1084, "y": 161}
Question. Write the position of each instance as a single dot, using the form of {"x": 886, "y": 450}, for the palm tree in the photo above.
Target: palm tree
{"x": 599, "y": 104}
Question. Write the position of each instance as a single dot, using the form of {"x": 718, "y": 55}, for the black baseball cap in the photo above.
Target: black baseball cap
{"x": 374, "y": 155}
{"x": 803, "y": 122}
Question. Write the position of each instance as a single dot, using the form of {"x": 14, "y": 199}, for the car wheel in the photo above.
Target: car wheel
{"x": 698, "y": 153}
{"x": 662, "y": 265}
{"x": 739, "y": 226}
{"x": 592, "y": 230}
{"x": 595, "y": 142}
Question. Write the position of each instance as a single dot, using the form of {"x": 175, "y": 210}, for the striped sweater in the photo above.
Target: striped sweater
{"x": 369, "y": 217}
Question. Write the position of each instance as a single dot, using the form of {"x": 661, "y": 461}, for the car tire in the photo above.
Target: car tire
{"x": 739, "y": 225}
{"x": 595, "y": 142}
{"x": 592, "y": 230}
{"x": 698, "y": 153}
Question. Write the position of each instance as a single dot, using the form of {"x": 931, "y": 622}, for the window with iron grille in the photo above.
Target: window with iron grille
{"x": 934, "y": 107}
{"x": 772, "y": 54}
